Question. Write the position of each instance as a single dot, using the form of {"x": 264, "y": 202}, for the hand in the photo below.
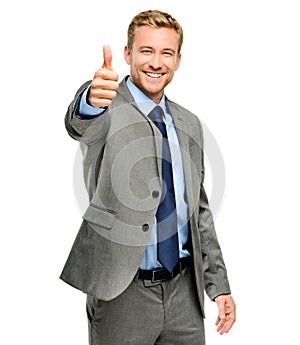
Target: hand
{"x": 226, "y": 317}
{"x": 105, "y": 83}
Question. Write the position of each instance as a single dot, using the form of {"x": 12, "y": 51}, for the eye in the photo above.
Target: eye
{"x": 146, "y": 51}
{"x": 168, "y": 53}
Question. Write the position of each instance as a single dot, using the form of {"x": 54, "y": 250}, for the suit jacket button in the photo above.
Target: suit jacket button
{"x": 155, "y": 194}
{"x": 145, "y": 227}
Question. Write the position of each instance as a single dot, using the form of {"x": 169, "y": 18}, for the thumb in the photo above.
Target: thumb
{"x": 107, "y": 57}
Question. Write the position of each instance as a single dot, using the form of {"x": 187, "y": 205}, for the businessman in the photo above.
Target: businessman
{"x": 147, "y": 249}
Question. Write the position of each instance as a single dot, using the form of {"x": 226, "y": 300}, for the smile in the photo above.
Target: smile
{"x": 154, "y": 75}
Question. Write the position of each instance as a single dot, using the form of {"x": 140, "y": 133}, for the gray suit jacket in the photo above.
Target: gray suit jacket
{"x": 122, "y": 169}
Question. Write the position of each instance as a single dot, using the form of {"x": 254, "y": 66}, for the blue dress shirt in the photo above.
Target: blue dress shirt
{"x": 146, "y": 105}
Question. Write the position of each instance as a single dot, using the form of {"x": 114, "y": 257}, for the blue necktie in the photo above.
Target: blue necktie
{"x": 167, "y": 235}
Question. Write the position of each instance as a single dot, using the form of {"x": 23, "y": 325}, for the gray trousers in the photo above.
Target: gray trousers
{"x": 146, "y": 313}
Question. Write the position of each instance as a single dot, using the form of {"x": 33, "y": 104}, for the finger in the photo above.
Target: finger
{"x": 107, "y": 57}
{"x": 221, "y": 324}
{"x": 106, "y": 78}
{"x": 98, "y": 103}
{"x": 103, "y": 94}
{"x": 227, "y": 325}
{"x": 105, "y": 99}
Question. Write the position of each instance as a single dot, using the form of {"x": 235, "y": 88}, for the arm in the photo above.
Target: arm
{"x": 215, "y": 274}
{"x": 75, "y": 125}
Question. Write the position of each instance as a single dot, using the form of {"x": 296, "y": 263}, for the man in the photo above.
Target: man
{"x": 147, "y": 248}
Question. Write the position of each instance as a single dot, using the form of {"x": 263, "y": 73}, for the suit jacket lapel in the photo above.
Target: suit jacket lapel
{"x": 183, "y": 138}
{"x": 124, "y": 91}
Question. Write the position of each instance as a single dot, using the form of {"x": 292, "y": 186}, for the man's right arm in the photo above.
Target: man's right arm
{"x": 75, "y": 125}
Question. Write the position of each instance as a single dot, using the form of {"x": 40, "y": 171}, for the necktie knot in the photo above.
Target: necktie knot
{"x": 156, "y": 115}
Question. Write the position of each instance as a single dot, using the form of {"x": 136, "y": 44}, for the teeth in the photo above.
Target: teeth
{"x": 154, "y": 75}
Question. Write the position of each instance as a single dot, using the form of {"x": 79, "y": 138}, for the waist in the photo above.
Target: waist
{"x": 162, "y": 274}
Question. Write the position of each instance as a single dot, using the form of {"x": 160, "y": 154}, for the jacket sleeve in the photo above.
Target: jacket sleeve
{"x": 214, "y": 270}
{"x": 76, "y": 125}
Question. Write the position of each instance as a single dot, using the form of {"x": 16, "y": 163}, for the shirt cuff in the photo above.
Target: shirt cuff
{"x": 88, "y": 110}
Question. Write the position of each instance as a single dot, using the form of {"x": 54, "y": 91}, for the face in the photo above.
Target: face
{"x": 153, "y": 59}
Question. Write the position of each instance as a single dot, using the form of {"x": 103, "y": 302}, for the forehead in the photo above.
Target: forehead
{"x": 158, "y": 38}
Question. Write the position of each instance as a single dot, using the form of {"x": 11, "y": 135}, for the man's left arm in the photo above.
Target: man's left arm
{"x": 215, "y": 274}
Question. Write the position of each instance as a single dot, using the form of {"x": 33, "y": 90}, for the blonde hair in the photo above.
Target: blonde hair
{"x": 155, "y": 19}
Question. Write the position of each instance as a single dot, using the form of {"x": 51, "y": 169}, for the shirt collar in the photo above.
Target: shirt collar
{"x": 145, "y": 104}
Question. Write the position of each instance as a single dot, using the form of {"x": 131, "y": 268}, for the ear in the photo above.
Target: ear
{"x": 178, "y": 61}
{"x": 127, "y": 55}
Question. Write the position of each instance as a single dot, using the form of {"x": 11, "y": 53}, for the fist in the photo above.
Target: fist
{"x": 105, "y": 83}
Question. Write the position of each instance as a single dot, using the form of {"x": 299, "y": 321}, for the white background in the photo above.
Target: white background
{"x": 240, "y": 73}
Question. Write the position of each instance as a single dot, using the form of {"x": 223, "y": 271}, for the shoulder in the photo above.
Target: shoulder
{"x": 191, "y": 120}
{"x": 188, "y": 115}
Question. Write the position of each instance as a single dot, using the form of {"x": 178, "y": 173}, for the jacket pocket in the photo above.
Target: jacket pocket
{"x": 99, "y": 217}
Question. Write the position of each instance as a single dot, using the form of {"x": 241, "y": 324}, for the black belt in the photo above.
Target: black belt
{"x": 161, "y": 274}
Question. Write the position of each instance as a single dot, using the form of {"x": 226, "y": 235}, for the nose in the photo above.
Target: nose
{"x": 155, "y": 61}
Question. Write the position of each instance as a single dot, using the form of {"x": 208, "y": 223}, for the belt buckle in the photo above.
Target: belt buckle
{"x": 156, "y": 280}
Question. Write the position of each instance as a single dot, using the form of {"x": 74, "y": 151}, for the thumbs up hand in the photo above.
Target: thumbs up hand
{"x": 105, "y": 83}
